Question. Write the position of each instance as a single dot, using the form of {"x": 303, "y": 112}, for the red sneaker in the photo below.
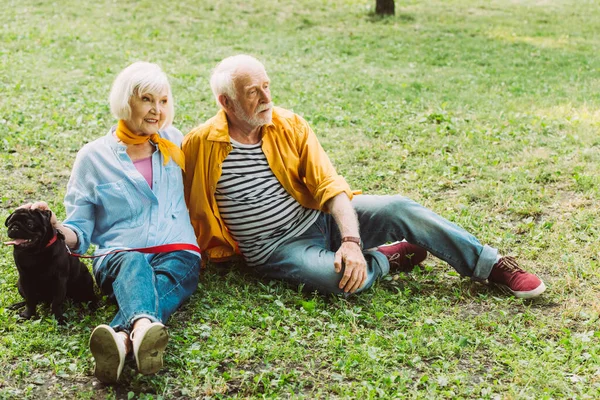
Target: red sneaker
{"x": 506, "y": 273}
{"x": 403, "y": 256}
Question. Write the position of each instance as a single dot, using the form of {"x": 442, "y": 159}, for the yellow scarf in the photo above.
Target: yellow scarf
{"x": 167, "y": 148}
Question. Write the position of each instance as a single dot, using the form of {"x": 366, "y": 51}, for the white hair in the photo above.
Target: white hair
{"x": 222, "y": 80}
{"x": 139, "y": 78}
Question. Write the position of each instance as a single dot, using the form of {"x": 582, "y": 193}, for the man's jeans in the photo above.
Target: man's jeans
{"x": 308, "y": 259}
{"x": 143, "y": 289}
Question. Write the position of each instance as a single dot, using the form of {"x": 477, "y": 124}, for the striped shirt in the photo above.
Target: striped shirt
{"x": 258, "y": 212}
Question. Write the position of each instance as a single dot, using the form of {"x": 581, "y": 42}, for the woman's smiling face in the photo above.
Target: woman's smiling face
{"x": 149, "y": 111}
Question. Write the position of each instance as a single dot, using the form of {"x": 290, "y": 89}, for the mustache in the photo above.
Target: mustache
{"x": 264, "y": 107}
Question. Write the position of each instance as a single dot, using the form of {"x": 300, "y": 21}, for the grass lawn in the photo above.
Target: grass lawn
{"x": 485, "y": 111}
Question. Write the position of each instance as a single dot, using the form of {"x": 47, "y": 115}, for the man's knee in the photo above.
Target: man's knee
{"x": 402, "y": 204}
{"x": 313, "y": 272}
{"x": 384, "y": 208}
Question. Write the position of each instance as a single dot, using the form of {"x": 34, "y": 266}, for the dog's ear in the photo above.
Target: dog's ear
{"x": 47, "y": 214}
{"x": 10, "y": 217}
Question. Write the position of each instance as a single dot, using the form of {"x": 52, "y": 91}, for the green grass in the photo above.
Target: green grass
{"x": 484, "y": 111}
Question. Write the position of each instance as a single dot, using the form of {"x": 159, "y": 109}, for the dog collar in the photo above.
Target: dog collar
{"x": 52, "y": 240}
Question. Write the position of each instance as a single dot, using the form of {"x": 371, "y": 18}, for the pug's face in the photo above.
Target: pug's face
{"x": 29, "y": 228}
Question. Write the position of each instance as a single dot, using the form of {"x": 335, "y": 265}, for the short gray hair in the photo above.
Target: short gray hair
{"x": 222, "y": 80}
{"x": 139, "y": 78}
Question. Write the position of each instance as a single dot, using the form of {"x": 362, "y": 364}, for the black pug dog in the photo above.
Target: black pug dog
{"x": 47, "y": 273}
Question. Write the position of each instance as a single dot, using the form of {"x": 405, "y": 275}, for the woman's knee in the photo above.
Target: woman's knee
{"x": 130, "y": 268}
{"x": 180, "y": 274}
{"x": 118, "y": 261}
{"x": 110, "y": 268}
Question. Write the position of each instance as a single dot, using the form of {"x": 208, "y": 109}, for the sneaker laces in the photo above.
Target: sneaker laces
{"x": 509, "y": 264}
{"x": 396, "y": 258}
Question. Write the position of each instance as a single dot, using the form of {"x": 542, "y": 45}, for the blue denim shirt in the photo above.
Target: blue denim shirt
{"x": 110, "y": 204}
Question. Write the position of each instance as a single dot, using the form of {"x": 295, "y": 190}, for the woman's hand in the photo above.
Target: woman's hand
{"x": 71, "y": 239}
{"x": 42, "y": 205}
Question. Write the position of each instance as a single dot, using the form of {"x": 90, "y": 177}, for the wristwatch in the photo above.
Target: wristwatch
{"x": 353, "y": 239}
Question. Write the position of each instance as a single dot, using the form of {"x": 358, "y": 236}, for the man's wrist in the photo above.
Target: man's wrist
{"x": 353, "y": 239}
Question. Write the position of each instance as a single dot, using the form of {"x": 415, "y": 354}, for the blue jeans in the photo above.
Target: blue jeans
{"x": 147, "y": 289}
{"x": 308, "y": 258}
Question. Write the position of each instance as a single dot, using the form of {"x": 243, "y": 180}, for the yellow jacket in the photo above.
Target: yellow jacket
{"x": 293, "y": 153}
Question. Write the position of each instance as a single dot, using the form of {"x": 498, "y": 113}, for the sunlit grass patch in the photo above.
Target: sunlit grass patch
{"x": 563, "y": 42}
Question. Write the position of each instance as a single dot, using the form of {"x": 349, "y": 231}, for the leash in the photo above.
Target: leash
{"x": 163, "y": 248}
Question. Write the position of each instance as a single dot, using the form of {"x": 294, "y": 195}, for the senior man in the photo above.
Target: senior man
{"x": 257, "y": 182}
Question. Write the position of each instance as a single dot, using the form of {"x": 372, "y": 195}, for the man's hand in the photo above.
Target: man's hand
{"x": 350, "y": 256}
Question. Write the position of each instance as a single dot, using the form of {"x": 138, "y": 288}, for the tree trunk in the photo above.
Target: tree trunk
{"x": 384, "y": 7}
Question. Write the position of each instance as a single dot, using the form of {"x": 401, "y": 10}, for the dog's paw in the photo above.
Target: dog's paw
{"x": 26, "y": 314}
{"x": 16, "y": 306}
{"x": 93, "y": 305}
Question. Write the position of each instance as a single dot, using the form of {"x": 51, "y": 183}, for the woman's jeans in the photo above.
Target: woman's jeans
{"x": 308, "y": 259}
{"x": 147, "y": 289}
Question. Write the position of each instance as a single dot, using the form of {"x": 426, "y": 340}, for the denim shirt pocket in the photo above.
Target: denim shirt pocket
{"x": 175, "y": 191}
{"x": 118, "y": 204}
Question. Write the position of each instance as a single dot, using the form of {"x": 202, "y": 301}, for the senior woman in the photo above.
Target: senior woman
{"x": 126, "y": 192}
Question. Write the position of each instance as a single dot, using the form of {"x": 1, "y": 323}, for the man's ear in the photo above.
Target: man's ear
{"x": 225, "y": 102}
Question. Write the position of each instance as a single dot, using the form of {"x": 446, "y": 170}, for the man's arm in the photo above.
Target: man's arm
{"x": 349, "y": 255}
{"x": 319, "y": 174}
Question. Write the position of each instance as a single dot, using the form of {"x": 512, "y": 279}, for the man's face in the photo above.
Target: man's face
{"x": 253, "y": 103}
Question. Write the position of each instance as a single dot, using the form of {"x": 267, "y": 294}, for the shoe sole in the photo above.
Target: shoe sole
{"x": 530, "y": 294}
{"x": 150, "y": 353}
{"x": 106, "y": 354}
